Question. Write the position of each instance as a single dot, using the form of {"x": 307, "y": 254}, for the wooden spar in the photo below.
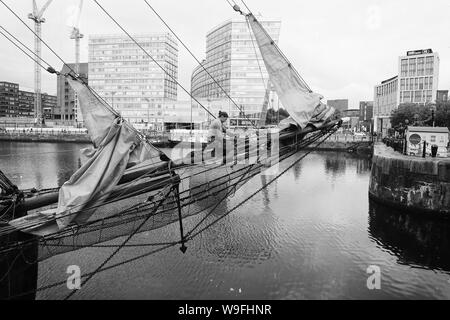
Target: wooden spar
{"x": 132, "y": 188}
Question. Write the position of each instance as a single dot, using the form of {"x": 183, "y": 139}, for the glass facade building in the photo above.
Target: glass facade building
{"x": 129, "y": 80}
{"x": 234, "y": 60}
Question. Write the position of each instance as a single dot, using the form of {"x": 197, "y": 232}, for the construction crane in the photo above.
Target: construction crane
{"x": 76, "y": 35}
{"x": 36, "y": 16}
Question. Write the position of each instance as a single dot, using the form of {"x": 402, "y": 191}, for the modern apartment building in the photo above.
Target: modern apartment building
{"x": 18, "y": 103}
{"x": 234, "y": 60}
{"x": 129, "y": 80}
{"x": 65, "y": 109}
{"x": 418, "y": 77}
{"x": 9, "y": 99}
{"x": 417, "y": 82}
{"x": 26, "y": 103}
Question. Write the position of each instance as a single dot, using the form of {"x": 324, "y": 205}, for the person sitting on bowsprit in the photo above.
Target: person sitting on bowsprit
{"x": 217, "y": 128}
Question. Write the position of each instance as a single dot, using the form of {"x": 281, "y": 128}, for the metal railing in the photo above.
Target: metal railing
{"x": 342, "y": 137}
{"x": 398, "y": 144}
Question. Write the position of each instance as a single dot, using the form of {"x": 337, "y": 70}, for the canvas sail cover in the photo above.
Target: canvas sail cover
{"x": 302, "y": 105}
{"x": 115, "y": 145}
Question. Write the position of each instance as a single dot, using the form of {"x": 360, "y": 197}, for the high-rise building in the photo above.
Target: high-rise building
{"x": 338, "y": 104}
{"x": 129, "y": 80}
{"x": 365, "y": 110}
{"x": 234, "y": 61}
{"x": 65, "y": 107}
{"x": 418, "y": 77}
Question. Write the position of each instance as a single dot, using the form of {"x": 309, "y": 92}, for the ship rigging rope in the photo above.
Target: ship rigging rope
{"x": 198, "y": 61}
{"x": 169, "y": 245}
{"x": 162, "y": 194}
{"x": 18, "y": 47}
{"x": 102, "y": 268}
{"x": 191, "y": 236}
{"x": 107, "y": 106}
{"x": 9, "y": 229}
{"x": 69, "y": 212}
{"x": 132, "y": 209}
{"x": 25, "y": 46}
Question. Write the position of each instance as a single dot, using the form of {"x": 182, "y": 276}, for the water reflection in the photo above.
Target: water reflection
{"x": 414, "y": 239}
{"x": 39, "y": 165}
{"x": 336, "y": 163}
{"x": 249, "y": 237}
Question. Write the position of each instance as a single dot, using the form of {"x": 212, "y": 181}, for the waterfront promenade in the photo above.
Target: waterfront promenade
{"x": 336, "y": 142}
{"x": 64, "y": 135}
{"x": 39, "y": 135}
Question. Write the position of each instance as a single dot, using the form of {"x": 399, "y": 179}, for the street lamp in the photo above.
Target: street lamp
{"x": 432, "y": 107}
{"x": 433, "y": 113}
{"x": 148, "y": 111}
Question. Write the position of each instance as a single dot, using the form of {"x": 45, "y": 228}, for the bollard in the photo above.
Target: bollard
{"x": 424, "y": 149}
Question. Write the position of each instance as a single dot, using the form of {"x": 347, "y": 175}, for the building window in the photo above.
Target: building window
{"x": 433, "y": 139}
{"x": 420, "y": 66}
{"x": 407, "y": 96}
{"x": 404, "y": 67}
{"x": 412, "y": 67}
{"x": 418, "y": 96}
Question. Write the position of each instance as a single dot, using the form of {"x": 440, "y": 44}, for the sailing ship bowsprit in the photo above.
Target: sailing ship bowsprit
{"x": 126, "y": 185}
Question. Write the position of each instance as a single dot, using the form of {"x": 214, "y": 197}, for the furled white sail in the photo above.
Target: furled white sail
{"x": 115, "y": 146}
{"x": 302, "y": 105}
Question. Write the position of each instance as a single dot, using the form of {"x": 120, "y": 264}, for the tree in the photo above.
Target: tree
{"x": 442, "y": 118}
{"x": 273, "y": 115}
{"x": 421, "y": 115}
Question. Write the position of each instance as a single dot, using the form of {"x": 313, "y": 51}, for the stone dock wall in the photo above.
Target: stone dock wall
{"x": 420, "y": 185}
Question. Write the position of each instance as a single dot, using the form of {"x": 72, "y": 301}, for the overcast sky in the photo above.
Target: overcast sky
{"x": 341, "y": 48}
